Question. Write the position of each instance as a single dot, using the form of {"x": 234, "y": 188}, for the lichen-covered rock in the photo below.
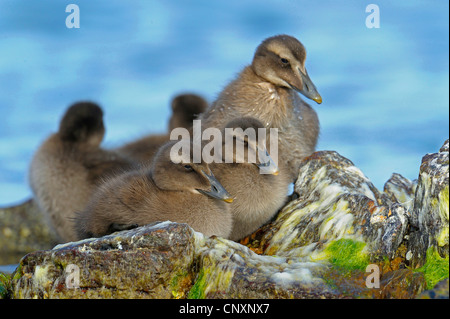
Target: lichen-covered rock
{"x": 147, "y": 262}
{"x": 22, "y": 230}
{"x": 401, "y": 190}
{"x": 336, "y": 201}
{"x": 430, "y": 215}
{"x": 169, "y": 260}
{"x": 230, "y": 270}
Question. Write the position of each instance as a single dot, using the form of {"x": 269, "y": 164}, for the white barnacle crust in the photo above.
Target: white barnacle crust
{"x": 222, "y": 259}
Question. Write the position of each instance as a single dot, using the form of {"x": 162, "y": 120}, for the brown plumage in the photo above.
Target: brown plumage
{"x": 256, "y": 197}
{"x": 185, "y": 109}
{"x": 267, "y": 90}
{"x": 185, "y": 193}
{"x": 70, "y": 164}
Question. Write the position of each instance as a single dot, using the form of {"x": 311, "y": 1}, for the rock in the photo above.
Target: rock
{"x": 147, "y": 262}
{"x": 230, "y": 270}
{"x": 336, "y": 204}
{"x": 22, "y": 230}
{"x": 401, "y": 190}
{"x": 400, "y": 284}
{"x": 4, "y": 286}
{"x": 341, "y": 238}
{"x": 430, "y": 215}
{"x": 170, "y": 260}
{"x": 440, "y": 291}
{"x": 158, "y": 261}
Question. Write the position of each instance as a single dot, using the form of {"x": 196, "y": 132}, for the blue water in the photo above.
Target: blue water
{"x": 385, "y": 90}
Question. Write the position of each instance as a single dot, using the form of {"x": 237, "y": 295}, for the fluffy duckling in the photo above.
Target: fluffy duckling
{"x": 257, "y": 196}
{"x": 267, "y": 90}
{"x": 69, "y": 165}
{"x": 185, "y": 109}
{"x": 179, "y": 191}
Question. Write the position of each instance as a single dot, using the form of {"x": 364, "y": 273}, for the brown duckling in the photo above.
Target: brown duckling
{"x": 267, "y": 90}
{"x": 185, "y": 109}
{"x": 70, "y": 164}
{"x": 183, "y": 192}
{"x": 257, "y": 195}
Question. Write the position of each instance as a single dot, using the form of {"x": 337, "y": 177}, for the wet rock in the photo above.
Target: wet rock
{"x": 430, "y": 215}
{"x": 147, "y": 262}
{"x": 22, "y": 230}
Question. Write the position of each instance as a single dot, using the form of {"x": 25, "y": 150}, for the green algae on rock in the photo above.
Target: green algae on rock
{"x": 348, "y": 254}
{"x": 435, "y": 268}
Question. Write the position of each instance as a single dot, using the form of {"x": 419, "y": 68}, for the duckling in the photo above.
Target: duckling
{"x": 69, "y": 165}
{"x": 257, "y": 197}
{"x": 267, "y": 90}
{"x": 179, "y": 191}
{"x": 185, "y": 109}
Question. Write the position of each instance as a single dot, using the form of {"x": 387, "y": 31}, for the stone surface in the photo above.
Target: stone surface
{"x": 440, "y": 291}
{"x": 336, "y": 201}
{"x": 430, "y": 216}
{"x": 401, "y": 190}
{"x": 148, "y": 262}
{"x": 341, "y": 238}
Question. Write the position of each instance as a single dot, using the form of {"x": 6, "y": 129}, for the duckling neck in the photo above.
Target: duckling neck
{"x": 252, "y": 95}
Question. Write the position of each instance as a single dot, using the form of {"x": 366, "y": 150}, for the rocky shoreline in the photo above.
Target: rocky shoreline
{"x": 340, "y": 238}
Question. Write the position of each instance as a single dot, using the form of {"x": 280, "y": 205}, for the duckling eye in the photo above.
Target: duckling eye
{"x": 284, "y": 61}
{"x": 188, "y": 168}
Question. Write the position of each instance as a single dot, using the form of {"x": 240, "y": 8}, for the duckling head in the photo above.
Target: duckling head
{"x": 280, "y": 60}
{"x": 185, "y": 109}
{"x": 83, "y": 123}
{"x": 251, "y": 133}
{"x": 175, "y": 171}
